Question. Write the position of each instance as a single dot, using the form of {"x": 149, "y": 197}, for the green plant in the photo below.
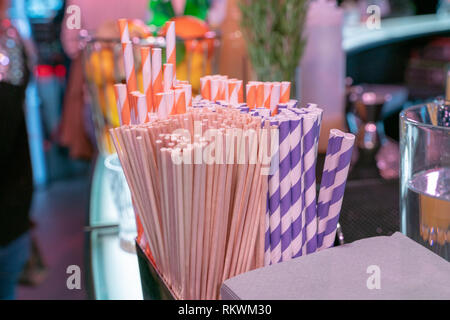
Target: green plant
{"x": 273, "y": 30}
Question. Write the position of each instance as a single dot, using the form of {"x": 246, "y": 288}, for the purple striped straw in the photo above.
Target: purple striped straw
{"x": 295, "y": 124}
{"x": 309, "y": 173}
{"x": 274, "y": 207}
{"x": 328, "y": 174}
{"x": 267, "y": 235}
{"x": 285, "y": 189}
{"x": 338, "y": 187}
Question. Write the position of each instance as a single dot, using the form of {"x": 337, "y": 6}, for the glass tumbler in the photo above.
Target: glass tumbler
{"x": 425, "y": 176}
{"x": 122, "y": 201}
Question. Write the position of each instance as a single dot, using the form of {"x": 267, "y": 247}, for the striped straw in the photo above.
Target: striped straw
{"x": 259, "y": 94}
{"x": 251, "y": 95}
{"x": 180, "y": 102}
{"x": 157, "y": 85}
{"x": 275, "y": 97}
{"x": 123, "y": 29}
{"x": 142, "y": 108}
{"x": 147, "y": 76}
{"x": 128, "y": 61}
{"x": 170, "y": 102}
{"x": 267, "y": 235}
{"x": 161, "y": 105}
{"x": 188, "y": 94}
{"x": 123, "y": 106}
{"x": 338, "y": 187}
{"x": 328, "y": 175}
{"x": 274, "y": 206}
{"x": 171, "y": 48}
{"x": 296, "y": 124}
{"x": 215, "y": 89}
{"x": 240, "y": 90}
{"x": 168, "y": 74}
{"x": 267, "y": 88}
{"x": 309, "y": 173}
{"x": 285, "y": 190}
{"x": 224, "y": 89}
{"x": 233, "y": 97}
{"x": 285, "y": 91}
{"x": 133, "y": 107}
{"x": 205, "y": 87}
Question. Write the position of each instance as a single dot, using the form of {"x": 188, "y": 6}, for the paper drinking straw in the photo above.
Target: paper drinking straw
{"x": 123, "y": 29}
{"x": 171, "y": 48}
{"x": 251, "y": 95}
{"x": 142, "y": 109}
{"x": 285, "y": 190}
{"x": 134, "y": 116}
{"x": 161, "y": 105}
{"x": 205, "y": 87}
{"x": 170, "y": 102}
{"x": 275, "y": 97}
{"x": 128, "y": 61}
{"x": 215, "y": 89}
{"x": 285, "y": 91}
{"x": 224, "y": 89}
{"x": 168, "y": 74}
{"x": 123, "y": 104}
{"x": 319, "y": 112}
{"x": 157, "y": 84}
{"x": 328, "y": 175}
{"x": 309, "y": 160}
{"x": 296, "y": 124}
{"x": 233, "y": 98}
{"x": 240, "y": 91}
{"x": 267, "y": 89}
{"x": 259, "y": 94}
{"x": 147, "y": 77}
{"x": 332, "y": 217}
{"x": 180, "y": 101}
{"x": 188, "y": 94}
{"x": 274, "y": 205}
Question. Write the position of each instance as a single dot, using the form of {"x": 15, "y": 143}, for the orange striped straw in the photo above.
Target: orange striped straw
{"x": 224, "y": 94}
{"x": 232, "y": 92}
{"x": 205, "y": 87}
{"x": 147, "y": 76}
{"x": 123, "y": 106}
{"x": 157, "y": 84}
{"x": 259, "y": 94}
{"x": 275, "y": 97}
{"x": 188, "y": 94}
{"x": 135, "y": 118}
{"x": 128, "y": 61}
{"x": 168, "y": 74}
{"x": 123, "y": 29}
{"x": 170, "y": 101}
{"x": 240, "y": 91}
{"x": 215, "y": 89}
{"x": 285, "y": 91}
{"x": 171, "y": 47}
{"x": 180, "y": 102}
{"x": 142, "y": 108}
{"x": 251, "y": 95}
{"x": 161, "y": 105}
{"x": 267, "y": 90}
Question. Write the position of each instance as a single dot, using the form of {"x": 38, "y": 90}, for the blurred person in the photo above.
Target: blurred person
{"x": 16, "y": 185}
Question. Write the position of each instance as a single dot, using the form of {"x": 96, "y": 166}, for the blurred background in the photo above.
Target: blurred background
{"x": 363, "y": 61}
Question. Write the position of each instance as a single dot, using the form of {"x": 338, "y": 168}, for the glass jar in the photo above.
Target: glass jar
{"x": 425, "y": 176}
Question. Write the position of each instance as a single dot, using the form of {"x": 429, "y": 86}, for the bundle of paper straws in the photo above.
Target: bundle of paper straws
{"x": 202, "y": 206}
{"x": 221, "y": 186}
